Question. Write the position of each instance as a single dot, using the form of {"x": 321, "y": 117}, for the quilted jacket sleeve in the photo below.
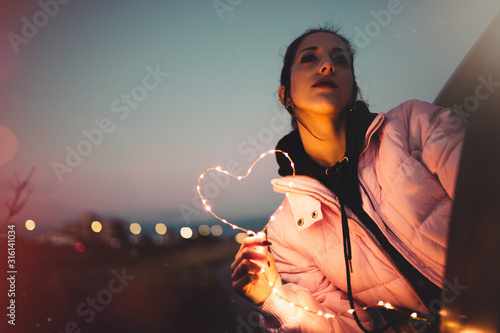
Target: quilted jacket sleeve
{"x": 439, "y": 132}
{"x": 306, "y": 286}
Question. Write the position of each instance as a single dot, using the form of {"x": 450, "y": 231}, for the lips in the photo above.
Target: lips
{"x": 325, "y": 83}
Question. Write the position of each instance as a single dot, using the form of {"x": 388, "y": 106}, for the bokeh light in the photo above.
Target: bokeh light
{"x": 240, "y": 237}
{"x": 30, "y": 225}
{"x": 161, "y": 228}
{"x": 216, "y": 230}
{"x": 8, "y": 145}
{"x": 96, "y": 226}
{"x": 135, "y": 228}
{"x": 204, "y": 230}
{"x": 80, "y": 247}
{"x": 186, "y": 232}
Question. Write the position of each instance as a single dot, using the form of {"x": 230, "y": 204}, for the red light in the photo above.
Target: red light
{"x": 80, "y": 247}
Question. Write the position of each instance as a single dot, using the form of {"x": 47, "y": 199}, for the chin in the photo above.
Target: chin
{"x": 328, "y": 107}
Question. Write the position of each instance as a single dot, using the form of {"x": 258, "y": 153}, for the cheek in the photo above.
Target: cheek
{"x": 297, "y": 80}
{"x": 348, "y": 86}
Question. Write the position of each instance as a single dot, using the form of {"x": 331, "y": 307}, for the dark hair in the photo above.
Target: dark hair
{"x": 290, "y": 56}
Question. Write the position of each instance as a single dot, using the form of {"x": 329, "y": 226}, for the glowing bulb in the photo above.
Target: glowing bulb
{"x": 135, "y": 228}
{"x": 161, "y": 228}
{"x": 217, "y": 168}
{"x": 272, "y": 218}
{"x": 414, "y": 315}
{"x": 216, "y": 230}
{"x": 381, "y": 303}
{"x": 80, "y": 247}
{"x": 262, "y": 270}
{"x": 239, "y": 177}
{"x": 351, "y": 311}
{"x": 328, "y": 315}
{"x": 207, "y": 208}
{"x": 306, "y": 308}
{"x": 292, "y": 305}
{"x": 320, "y": 313}
{"x": 186, "y": 232}
{"x": 204, "y": 230}
{"x": 388, "y": 306}
{"x": 271, "y": 284}
{"x": 262, "y": 155}
{"x": 30, "y": 225}
{"x": 96, "y": 226}
{"x": 240, "y": 237}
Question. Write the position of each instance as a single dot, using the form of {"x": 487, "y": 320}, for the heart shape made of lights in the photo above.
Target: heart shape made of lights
{"x": 219, "y": 169}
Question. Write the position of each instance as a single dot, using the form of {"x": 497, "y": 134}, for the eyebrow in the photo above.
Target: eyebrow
{"x": 314, "y": 48}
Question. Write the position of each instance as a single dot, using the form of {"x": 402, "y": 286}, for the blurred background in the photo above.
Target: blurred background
{"x": 111, "y": 110}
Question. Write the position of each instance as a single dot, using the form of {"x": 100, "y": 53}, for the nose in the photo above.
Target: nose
{"x": 327, "y": 66}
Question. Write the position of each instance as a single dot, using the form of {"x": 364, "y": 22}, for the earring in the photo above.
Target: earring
{"x": 352, "y": 107}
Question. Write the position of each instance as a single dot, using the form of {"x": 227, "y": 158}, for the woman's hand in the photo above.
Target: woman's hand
{"x": 254, "y": 271}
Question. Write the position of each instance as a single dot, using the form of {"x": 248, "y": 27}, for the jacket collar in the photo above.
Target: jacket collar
{"x": 372, "y": 130}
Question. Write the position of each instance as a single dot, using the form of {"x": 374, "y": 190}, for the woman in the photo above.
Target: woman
{"x": 368, "y": 214}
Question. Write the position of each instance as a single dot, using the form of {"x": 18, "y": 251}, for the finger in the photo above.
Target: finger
{"x": 245, "y": 268}
{"x": 260, "y": 243}
{"x": 257, "y": 253}
{"x": 256, "y": 240}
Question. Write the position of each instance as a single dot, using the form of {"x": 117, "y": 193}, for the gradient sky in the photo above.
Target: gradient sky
{"x": 213, "y": 102}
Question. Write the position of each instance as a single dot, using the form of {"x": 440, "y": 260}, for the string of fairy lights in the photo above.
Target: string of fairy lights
{"x": 219, "y": 169}
{"x": 208, "y": 208}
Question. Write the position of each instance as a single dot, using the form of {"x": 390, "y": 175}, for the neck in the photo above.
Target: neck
{"x": 324, "y": 139}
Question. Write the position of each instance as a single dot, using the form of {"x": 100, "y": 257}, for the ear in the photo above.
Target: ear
{"x": 281, "y": 94}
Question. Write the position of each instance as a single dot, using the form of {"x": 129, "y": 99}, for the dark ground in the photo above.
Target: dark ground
{"x": 181, "y": 288}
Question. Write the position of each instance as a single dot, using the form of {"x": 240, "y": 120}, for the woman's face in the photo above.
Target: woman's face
{"x": 321, "y": 80}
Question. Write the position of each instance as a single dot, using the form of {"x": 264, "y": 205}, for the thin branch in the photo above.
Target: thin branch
{"x": 17, "y": 204}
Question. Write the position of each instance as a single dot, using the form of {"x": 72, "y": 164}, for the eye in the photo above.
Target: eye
{"x": 308, "y": 58}
{"x": 340, "y": 60}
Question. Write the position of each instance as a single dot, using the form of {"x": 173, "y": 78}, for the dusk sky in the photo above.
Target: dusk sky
{"x": 121, "y": 105}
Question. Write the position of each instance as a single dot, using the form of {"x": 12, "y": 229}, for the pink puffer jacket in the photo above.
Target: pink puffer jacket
{"x": 407, "y": 173}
